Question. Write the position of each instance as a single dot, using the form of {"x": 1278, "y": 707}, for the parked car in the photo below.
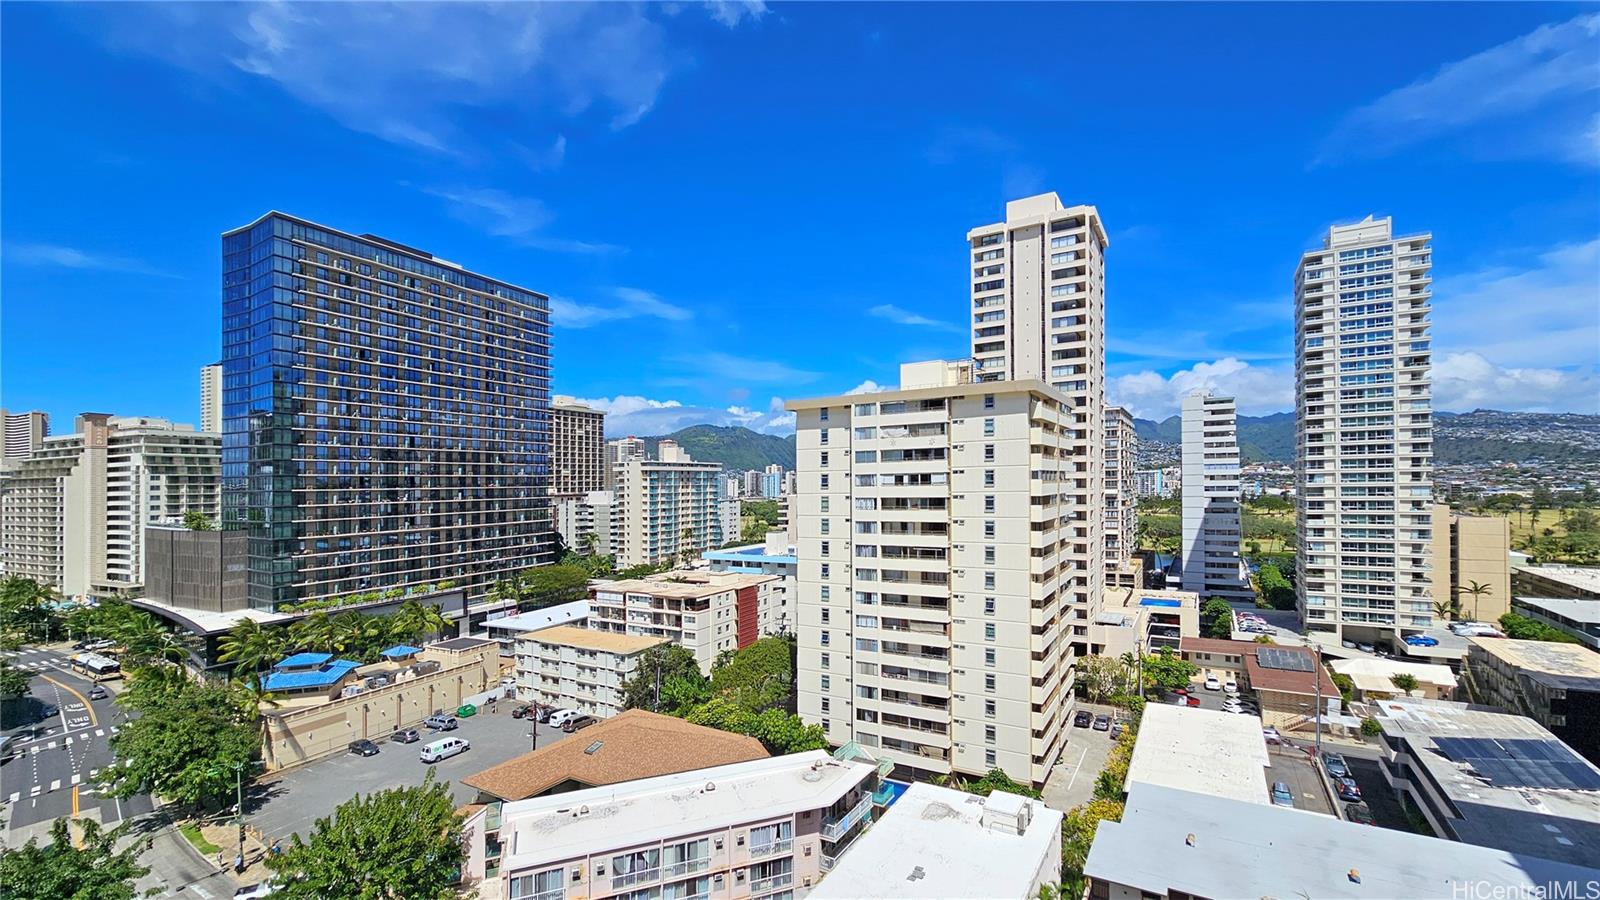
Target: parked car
{"x": 1347, "y": 789}
{"x": 1232, "y": 705}
{"x": 1116, "y": 730}
{"x": 1191, "y": 701}
{"x": 466, "y": 710}
{"x": 1082, "y": 719}
{"x": 1281, "y": 795}
{"x": 577, "y": 723}
{"x": 1359, "y": 813}
{"x": 1421, "y": 640}
{"x": 1102, "y": 723}
{"x": 1351, "y": 645}
{"x": 1364, "y": 648}
{"x": 1181, "y": 692}
{"x": 363, "y": 747}
{"x": 1271, "y": 735}
{"x": 444, "y": 748}
{"x": 1335, "y": 765}
{"x": 508, "y": 681}
{"x": 405, "y": 736}
{"x": 523, "y": 711}
{"x": 98, "y": 693}
{"x": 439, "y": 722}
{"x": 545, "y": 712}
{"x": 560, "y": 716}
{"x": 1231, "y": 687}
{"x": 255, "y": 891}
{"x": 1213, "y": 683}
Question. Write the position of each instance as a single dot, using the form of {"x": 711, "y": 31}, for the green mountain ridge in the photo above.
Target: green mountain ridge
{"x": 737, "y": 448}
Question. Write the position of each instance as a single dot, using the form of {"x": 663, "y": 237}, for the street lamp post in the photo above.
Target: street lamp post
{"x": 1317, "y": 675}
{"x": 238, "y": 786}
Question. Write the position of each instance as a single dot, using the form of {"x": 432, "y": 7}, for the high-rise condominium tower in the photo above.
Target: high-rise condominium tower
{"x": 386, "y": 415}
{"x": 579, "y": 454}
{"x": 24, "y": 433}
{"x": 1210, "y": 561}
{"x": 1121, "y": 497}
{"x": 211, "y": 398}
{"x": 671, "y": 510}
{"x": 1364, "y": 458}
{"x": 949, "y": 570}
{"x": 72, "y": 516}
{"x": 620, "y": 451}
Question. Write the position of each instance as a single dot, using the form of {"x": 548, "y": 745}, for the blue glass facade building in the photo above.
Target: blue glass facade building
{"x": 386, "y": 416}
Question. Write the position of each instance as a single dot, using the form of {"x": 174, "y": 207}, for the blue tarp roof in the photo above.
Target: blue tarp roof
{"x": 300, "y": 660}
{"x": 401, "y": 650}
{"x": 328, "y": 674}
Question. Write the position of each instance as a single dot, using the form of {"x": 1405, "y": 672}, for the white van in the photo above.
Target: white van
{"x": 560, "y": 717}
{"x": 444, "y": 748}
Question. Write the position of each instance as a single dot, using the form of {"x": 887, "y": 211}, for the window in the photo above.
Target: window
{"x": 775, "y": 838}
{"x": 825, "y": 660}
{"x": 824, "y": 484}
{"x": 825, "y": 616}
{"x": 824, "y": 547}
{"x": 988, "y": 656}
{"x": 988, "y": 428}
{"x": 825, "y": 639}
{"x": 988, "y": 631}
{"x": 823, "y": 593}
{"x": 822, "y": 414}
{"x": 826, "y": 682}
{"x": 988, "y": 401}
{"x": 823, "y": 507}
{"x": 867, "y": 644}
{"x": 988, "y": 478}
{"x": 988, "y": 734}
{"x": 824, "y": 458}
{"x": 826, "y": 705}
{"x": 988, "y": 556}
{"x": 866, "y": 456}
{"x": 827, "y": 570}
{"x": 866, "y": 434}
{"x": 988, "y": 708}
{"x": 635, "y": 867}
{"x": 540, "y": 886}
{"x": 685, "y": 858}
{"x": 988, "y": 581}
{"x": 825, "y": 526}
{"x": 865, "y": 409}
{"x": 866, "y": 621}
{"x": 988, "y": 528}
{"x": 988, "y": 683}
{"x": 989, "y": 759}
{"x": 823, "y": 433}
{"x": 988, "y": 454}
{"x": 988, "y": 503}
{"x": 988, "y": 606}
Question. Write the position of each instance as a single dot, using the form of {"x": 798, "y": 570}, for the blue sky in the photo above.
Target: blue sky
{"x": 732, "y": 204}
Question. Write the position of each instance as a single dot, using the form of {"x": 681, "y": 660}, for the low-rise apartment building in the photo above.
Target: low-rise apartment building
{"x": 1372, "y": 678}
{"x": 1556, "y": 685}
{"x": 1553, "y": 580}
{"x": 757, "y": 829}
{"x": 324, "y": 702}
{"x": 774, "y": 556}
{"x": 937, "y": 843}
{"x": 1201, "y": 750}
{"x": 1492, "y": 779}
{"x": 1132, "y": 619}
{"x": 705, "y": 612}
{"x": 1578, "y": 618}
{"x": 1288, "y": 681}
{"x": 578, "y": 668}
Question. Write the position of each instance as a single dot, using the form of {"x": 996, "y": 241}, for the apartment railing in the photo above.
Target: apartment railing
{"x": 768, "y": 849}
{"x": 640, "y": 877}
{"x": 687, "y": 867}
{"x": 834, "y": 829}
{"x": 768, "y": 885}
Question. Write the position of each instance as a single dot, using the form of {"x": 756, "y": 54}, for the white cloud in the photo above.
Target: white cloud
{"x": 416, "y": 73}
{"x": 1542, "y": 315}
{"x": 1150, "y": 395}
{"x": 518, "y": 219}
{"x": 630, "y": 303}
{"x": 732, "y": 12}
{"x": 635, "y": 415}
{"x": 868, "y": 387}
{"x": 1551, "y": 70}
{"x": 906, "y": 317}
{"x": 1466, "y": 381}
{"x": 730, "y": 368}
{"x": 58, "y": 256}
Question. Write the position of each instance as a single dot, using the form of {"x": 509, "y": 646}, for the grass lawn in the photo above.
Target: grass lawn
{"x": 191, "y": 831}
{"x": 1523, "y": 525}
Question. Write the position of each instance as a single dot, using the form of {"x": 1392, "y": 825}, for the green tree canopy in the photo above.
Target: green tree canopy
{"x": 195, "y": 520}
{"x": 184, "y": 746}
{"x": 1168, "y": 671}
{"x": 1404, "y": 682}
{"x": 550, "y": 585}
{"x": 1216, "y": 618}
{"x": 61, "y": 870}
{"x": 757, "y": 677}
{"x": 1522, "y": 628}
{"x": 398, "y": 843}
{"x": 14, "y": 682}
{"x": 670, "y": 662}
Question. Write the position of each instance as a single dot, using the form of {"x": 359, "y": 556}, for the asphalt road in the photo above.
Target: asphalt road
{"x": 63, "y": 741}
{"x": 293, "y": 802}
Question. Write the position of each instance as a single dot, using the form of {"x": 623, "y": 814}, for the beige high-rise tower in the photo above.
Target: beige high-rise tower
{"x": 1364, "y": 462}
{"x": 211, "y": 398}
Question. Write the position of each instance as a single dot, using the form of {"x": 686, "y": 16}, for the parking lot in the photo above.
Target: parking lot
{"x": 1071, "y": 782}
{"x": 296, "y": 799}
{"x": 1295, "y": 769}
{"x": 1379, "y": 797}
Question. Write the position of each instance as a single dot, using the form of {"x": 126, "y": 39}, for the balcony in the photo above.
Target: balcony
{"x": 641, "y": 877}
{"x": 835, "y": 828}
{"x": 687, "y": 867}
{"x": 768, "y": 885}
{"x": 760, "y": 851}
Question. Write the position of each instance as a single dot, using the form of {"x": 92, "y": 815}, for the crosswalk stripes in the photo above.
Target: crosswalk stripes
{"x": 76, "y": 779}
{"x": 15, "y": 796}
{"x": 55, "y": 785}
{"x": 93, "y": 772}
{"x": 99, "y": 732}
{"x": 34, "y": 791}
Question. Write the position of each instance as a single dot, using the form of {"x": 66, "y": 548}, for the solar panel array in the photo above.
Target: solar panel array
{"x": 1287, "y": 660}
{"x": 1546, "y": 764}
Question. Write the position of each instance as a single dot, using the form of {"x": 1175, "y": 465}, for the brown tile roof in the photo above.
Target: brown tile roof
{"x": 633, "y": 744}
{"x": 1263, "y": 678}
{"x": 1217, "y": 645}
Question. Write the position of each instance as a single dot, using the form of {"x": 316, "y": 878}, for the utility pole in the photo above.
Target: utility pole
{"x": 1138, "y": 655}
{"x": 238, "y": 785}
{"x": 1317, "y": 675}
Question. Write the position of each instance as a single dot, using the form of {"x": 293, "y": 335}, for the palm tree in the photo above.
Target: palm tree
{"x": 590, "y": 542}
{"x": 314, "y": 633}
{"x": 250, "y": 648}
{"x": 145, "y": 640}
{"x": 1405, "y": 682}
{"x": 1477, "y": 590}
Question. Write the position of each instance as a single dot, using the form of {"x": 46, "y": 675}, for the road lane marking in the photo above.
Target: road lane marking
{"x": 55, "y": 785}
{"x": 81, "y": 699}
{"x": 50, "y": 746}
{"x": 76, "y": 779}
{"x": 34, "y": 792}
{"x": 99, "y": 732}
{"x": 15, "y": 796}
{"x": 69, "y": 742}
{"x": 74, "y": 797}
{"x": 93, "y": 772}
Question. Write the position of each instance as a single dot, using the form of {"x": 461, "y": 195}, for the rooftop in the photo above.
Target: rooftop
{"x": 301, "y": 660}
{"x": 1547, "y": 799}
{"x": 1201, "y": 750}
{"x": 327, "y": 674}
{"x": 1178, "y": 841}
{"x": 934, "y": 842}
{"x": 399, "y": 650}
{"x": 1585, "y": 611}
{"x": 560, "y": 826}
{"x": 1290, "y": 670}
{"x": 591, "y": 639}
{"x": 1373, "y": 674}
{"x": 460, "y": 643}
{"x": 560, "y": 614}
{"x": 1559, "y": 665}
{"x": 632, "y": 745}
{"x": 1148, "y": 598}
{"x": 754, "y": 554}
{"x": 685, "y": 584}
{"x": 1584, "y": 578}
